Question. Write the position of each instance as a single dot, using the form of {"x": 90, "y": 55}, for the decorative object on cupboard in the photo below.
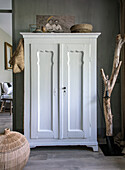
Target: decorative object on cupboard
{"x": 33, "y": 27}
{"x": 60, "y": 84}
{"x": 81, "y": 28}
{"x": 14, "y": 150}
{"x": 55, "y": 23}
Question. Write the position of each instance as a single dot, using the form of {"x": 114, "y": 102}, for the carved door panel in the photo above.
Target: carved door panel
{"x": 76, "y": 77}
{"x": 44, "y": 91}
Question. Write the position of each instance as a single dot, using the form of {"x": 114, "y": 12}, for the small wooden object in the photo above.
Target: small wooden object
{"x": 14, "y": 150}
{"x": 81, "y": 28}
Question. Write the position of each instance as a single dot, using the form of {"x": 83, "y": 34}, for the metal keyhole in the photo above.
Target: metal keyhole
{"x": 64, "y": 88}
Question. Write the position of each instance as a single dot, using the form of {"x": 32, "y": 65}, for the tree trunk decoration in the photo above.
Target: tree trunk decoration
{"x": 109, "y": 85}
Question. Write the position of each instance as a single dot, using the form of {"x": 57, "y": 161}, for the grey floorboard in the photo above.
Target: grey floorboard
{"x": 72, "y": 158}
{"x": 66, "y": 158}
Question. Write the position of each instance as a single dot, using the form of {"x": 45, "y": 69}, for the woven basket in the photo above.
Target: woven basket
{"x": 81, "y": 28}
{"x": 14, "y": 150}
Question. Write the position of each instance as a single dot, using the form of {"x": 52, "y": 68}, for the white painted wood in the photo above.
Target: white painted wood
{"x": 95, "y": 147}
{"x": 53, "y": 115}
{"x": 76, "y": 76}
{"x": 58, "y": 35}
{"x": 44, "y": 93}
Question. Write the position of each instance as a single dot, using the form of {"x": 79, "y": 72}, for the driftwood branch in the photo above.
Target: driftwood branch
{"x": 115, "y": 75}
{"x": 109, "y": 84}
{"x": 103, "y": 75}
{"x": 119, "y": 43}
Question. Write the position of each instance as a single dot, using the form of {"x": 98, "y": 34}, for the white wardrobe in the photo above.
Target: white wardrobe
{"x": 60, "y": 89}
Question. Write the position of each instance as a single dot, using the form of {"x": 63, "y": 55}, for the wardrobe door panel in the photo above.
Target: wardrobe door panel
{"x": 75, "y": 97}
{"x": 44, "y": 97}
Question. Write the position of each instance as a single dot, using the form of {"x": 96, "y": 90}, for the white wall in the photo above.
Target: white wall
{"x": 5, "y": 75}
{"x": 6, "y": 22}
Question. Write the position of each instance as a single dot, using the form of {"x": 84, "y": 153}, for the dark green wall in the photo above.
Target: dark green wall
{"x": 102, "y": 14}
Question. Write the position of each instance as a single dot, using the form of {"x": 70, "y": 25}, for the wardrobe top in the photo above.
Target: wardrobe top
{"x": 54, "y": 35}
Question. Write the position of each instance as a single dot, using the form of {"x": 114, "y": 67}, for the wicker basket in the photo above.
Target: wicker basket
{"x": 14, "y": 150}
{"x": 81, "y": 28}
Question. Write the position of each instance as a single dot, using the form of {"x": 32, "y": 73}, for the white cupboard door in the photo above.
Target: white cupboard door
{"x": 76, "y": 72}
{"x": 44, "y": 91}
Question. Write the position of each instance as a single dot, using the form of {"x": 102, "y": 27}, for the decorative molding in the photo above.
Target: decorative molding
{"x": 52, "y": 63}
{"x": 58, "y": 35}
{"x": 72, "y": 131}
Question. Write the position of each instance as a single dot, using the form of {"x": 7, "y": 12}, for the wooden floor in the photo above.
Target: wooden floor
{"x": 5, "y": 121}
{"x": 72, "y": 158}
{"x": 66, "y": 158}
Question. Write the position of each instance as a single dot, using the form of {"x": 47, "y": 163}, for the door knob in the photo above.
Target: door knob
{"x": 64, "y": 88}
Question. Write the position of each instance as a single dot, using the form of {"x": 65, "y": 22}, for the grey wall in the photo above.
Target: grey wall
{"x": 102, "y": 14}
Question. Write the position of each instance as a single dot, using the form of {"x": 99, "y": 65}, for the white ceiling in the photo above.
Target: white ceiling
{"x": 6, "y": 18}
